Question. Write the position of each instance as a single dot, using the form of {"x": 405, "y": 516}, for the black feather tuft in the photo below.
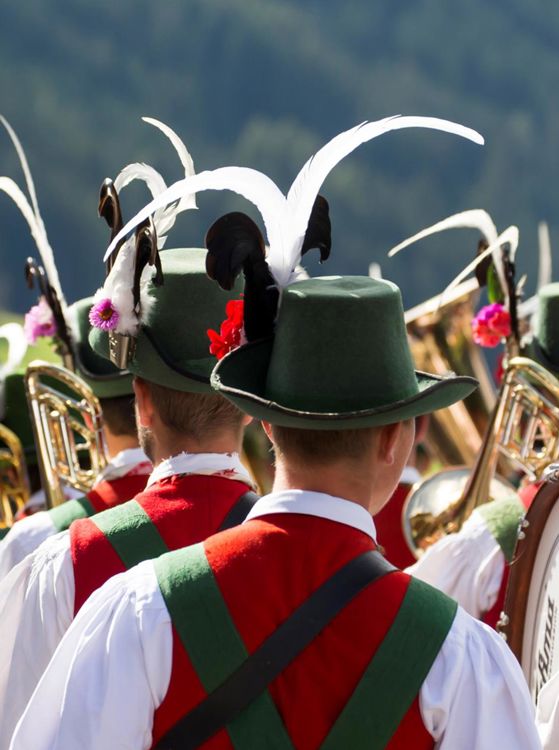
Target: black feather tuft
{"x": 319, "y": 230}
{"x": 235, "y": 243}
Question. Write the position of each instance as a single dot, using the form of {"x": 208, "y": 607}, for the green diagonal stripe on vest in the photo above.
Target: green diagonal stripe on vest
{"x": 396, "y": 672}
{"x": 131, "y": 533}
{"x": 215, "y": 648}
{"x": 63, "y": 515}
{"x": 502, "y": 518}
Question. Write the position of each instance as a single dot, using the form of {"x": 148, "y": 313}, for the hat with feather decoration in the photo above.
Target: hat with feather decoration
{"x": 324, "y": 353}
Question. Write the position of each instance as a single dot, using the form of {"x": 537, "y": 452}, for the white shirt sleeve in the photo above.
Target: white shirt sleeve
{"x": 112, "y": 671}
{"x": 109, "y": 675}
{"x": 23, "y": 538}
{"x": 36, "y": 609}
{"x": 467, "y": 566}
{"x": 475, "y": 695}
{"x": 547, "y": 713}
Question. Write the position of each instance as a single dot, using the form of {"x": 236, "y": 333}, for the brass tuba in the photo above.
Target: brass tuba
{"x": 440, "y": 338}
{"x": 524, "y": 431}
{"x": 68, "y": 429}
{"x": 14, "y": 483}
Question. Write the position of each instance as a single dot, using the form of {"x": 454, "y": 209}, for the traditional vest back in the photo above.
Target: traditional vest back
{"x": 104, "y": 495}
{"x": 257, "y": 575}
{"x": 172, "y": 513}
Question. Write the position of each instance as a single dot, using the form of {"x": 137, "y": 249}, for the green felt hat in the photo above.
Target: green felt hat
{"x": 544, "y": 346}
{"x": 172, "y": 347}
{"x": 105, "y": 380}
{"x": 339, "y": 359}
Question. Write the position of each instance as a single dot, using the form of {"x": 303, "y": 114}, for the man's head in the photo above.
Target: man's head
{"x": 176, "y": 407}
{"x": 168, "y": 420}
{"x": 372, "y": 457}
{"x": 337, "y": 382}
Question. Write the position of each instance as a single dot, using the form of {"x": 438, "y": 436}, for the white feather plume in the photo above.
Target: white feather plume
{"x": 545, "y": 262}
{"x": 509, "y": 236}
{"x": 32, "y": 214}
{"x": 476, "y": 218}
{"x": 286, "y": 219}
{"x": 144, "y": 172}
{"x": 118, "y": 288}
{"x": 188, "y": 201}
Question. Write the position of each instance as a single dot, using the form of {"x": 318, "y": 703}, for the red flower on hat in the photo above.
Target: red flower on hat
{"x": 231, "y": 333}
{"x": 491, "y": 325}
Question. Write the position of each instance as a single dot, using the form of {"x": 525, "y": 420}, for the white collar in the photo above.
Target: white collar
{"x": 123, "y": 463}
{"x": 315, "y": 504}
{"x": 410, "y": 475}
{"x": 222, "y": 464}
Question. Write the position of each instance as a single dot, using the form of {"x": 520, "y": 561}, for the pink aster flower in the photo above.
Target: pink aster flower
{"x": 491, "y": 325}
{"x": 104, "y": 315}
{"x": 39, "y": 321}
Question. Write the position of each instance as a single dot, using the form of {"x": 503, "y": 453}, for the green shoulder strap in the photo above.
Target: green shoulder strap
{"x": 210, "y": 638}
{"x": 63, "y": 515}
{"x": 503, "y": 518}
{"x": 131, "y": 533}
{"x": 396, "y": 672}
{"x": 3, "y": 531}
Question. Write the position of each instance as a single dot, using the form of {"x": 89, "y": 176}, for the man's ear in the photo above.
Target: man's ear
{"x": 388, "y": 438}
{"x": 267, "y": 427}
{"x": 144, "y": 404}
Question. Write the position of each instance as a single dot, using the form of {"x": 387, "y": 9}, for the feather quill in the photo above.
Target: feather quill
{"x": 286, "y": 218}
{"x": 32, "y": 214}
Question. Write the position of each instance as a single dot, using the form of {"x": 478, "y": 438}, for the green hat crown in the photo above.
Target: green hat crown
{"x": 172, "y": 345}
{"x": 339, "y": 358}
{"x": 545, "y": 344}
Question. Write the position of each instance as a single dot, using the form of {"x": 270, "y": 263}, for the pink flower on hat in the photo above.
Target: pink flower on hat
{"x": 230, "y": 334}
{"x": 104, "y": 315}
{"x": 491, "y": 325}
{"x": 39, "y": 321}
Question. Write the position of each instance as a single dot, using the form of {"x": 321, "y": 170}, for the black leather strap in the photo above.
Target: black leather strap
{"x": 263, "y": 666}
{"x": 239, "y": 511}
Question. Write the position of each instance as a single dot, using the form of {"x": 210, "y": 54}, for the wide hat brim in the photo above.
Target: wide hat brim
{"x": 242, "y": 374}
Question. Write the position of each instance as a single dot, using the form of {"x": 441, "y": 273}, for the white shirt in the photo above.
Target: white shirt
{"x": 468, "y": 566}
{"x": 27, "y": 534}
{"x": 113, "y": 667}
{"x": 37, "y": 598}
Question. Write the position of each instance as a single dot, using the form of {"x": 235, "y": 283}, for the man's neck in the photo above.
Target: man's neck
{"x": 340, "y": 480}
{"x": 163, "y": 450}
{"x": 118, "y": 443}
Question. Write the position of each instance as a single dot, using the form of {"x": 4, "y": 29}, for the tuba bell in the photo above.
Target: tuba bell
{"x": 522, "y": 437}
{"x": 68, "y": 429}
{"x": 441, "y": 340}
{"x": 14, "y": 482}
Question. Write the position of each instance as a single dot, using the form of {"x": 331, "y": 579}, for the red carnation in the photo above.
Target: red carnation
{"x": 230, "y": 334}
{"x": 491, "y": 325}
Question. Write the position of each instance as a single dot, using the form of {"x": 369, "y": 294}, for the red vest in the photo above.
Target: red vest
{"x": 390, "y": 533}
{"x": 264, "y": 570}
{"x": 111, "y": 492}
{"x": 491, "y": 617}
{"x": 184, "y": 509}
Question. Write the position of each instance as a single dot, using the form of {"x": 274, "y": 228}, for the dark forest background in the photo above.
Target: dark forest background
{"x": 264, "y": 83}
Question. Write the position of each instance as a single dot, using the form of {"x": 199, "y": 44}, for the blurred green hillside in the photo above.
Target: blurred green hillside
{"x": 264, "y": 83}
